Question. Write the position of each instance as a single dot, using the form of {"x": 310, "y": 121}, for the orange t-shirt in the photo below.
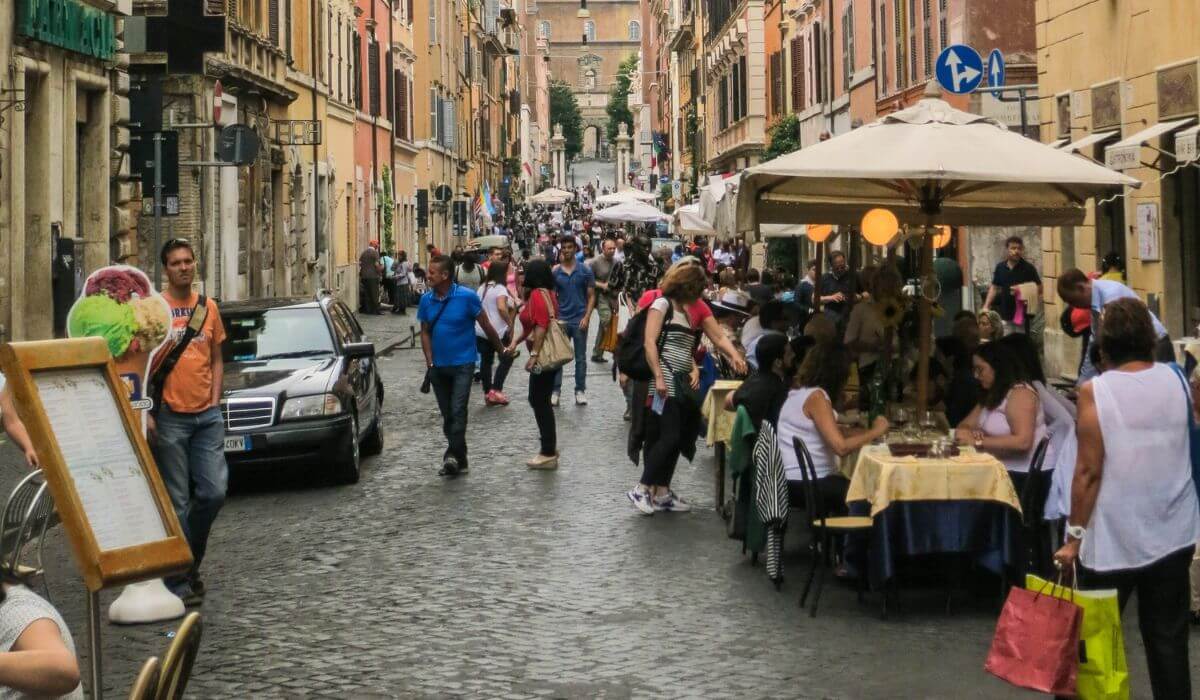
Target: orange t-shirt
{"x": 188, "y": 388}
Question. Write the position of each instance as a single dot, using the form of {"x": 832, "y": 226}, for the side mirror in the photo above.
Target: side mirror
{"x": 356, "y": 351}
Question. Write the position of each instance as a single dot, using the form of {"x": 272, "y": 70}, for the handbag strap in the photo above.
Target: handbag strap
{"x": 438, "y": 315}
{"x": 549, "y": 307}
{"x": 1187, "y": 394}
{"x": 195, "y": 323}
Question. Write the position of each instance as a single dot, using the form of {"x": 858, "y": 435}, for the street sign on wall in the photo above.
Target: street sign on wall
{"x": 995, "y": 68}
{"x": 959, "y": 69}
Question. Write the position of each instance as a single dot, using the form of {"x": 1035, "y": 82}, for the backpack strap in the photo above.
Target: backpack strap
{"x": 158, "y": 380}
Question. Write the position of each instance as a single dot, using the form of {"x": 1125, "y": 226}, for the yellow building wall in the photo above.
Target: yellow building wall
{"x": 1083, "y": 44}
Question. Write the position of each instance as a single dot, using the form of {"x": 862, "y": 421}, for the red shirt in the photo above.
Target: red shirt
{"x": 697, "y": 312}
{"x": 536, "y": 312}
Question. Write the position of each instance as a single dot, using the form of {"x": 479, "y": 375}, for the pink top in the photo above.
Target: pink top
{"x": 993, "y": 422}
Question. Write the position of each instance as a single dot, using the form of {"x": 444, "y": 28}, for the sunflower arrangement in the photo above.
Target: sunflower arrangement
{"x": 891, "y": 311}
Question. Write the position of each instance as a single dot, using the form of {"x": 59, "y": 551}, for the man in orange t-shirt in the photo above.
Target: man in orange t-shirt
{"x": 188, "y": 432}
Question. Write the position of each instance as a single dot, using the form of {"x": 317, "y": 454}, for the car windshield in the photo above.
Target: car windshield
{"x": 275, "y": 333}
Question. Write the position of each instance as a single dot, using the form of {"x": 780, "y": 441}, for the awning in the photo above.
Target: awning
{"x": 1127, "y": 152}
{"x": 1058, "y": 143}
{"x": 1187, "y": 145}
{"x": 1089, "y": 141}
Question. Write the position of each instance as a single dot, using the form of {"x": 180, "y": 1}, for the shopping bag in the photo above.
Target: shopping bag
{"x": 1103, "y": 673}
{"x": 1036, "y": 645}
{"x": 608, "y": 342}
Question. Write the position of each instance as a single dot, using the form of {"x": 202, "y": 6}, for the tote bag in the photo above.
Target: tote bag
{"x": 557, "y": 349}
{"x": 1036, "y": 645}
{"x": 1103, "y": 671}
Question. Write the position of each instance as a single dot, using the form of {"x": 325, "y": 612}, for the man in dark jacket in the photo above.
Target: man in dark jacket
{"x": 764, "y": 392}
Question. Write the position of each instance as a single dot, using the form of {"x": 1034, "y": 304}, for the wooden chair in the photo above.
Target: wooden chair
{"x": 145, "y": 686}
{"x": 28, "y": 513}
{"x": 177, "y": 664}
{"x": 822, "y": 527}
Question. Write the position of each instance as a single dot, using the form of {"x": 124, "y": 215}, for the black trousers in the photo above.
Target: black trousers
{"x": 831, "y": 490}
{"x": 487, "y": 358}
{"x": 668, "y": 437}
{"x": 1164, "y": 598}
{"x": 541, "y": 386}
{"x": 369, "y": 291}
{"x": 400, "y": 301}
{"x": 389, "y": 287}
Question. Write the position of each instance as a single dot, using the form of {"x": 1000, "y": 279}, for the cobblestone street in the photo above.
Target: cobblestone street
{"x": 511, "y": 583}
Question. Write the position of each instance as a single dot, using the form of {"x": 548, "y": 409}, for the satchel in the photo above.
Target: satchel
{"x": 1036, "y": 645}
{"x": 557, "y": 349}
{"x": 158, "y": 380}
{"x": 427, "y": 380}
{"x": 1193, "y": 430}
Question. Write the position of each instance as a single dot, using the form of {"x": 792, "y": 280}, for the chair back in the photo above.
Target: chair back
{"x": 808, "y": 476}
{"x": 27, "y": 515}
{"x": 1032, "y": 507}
{"x": 146, "y": 683}
{"x": 177, "y": 664}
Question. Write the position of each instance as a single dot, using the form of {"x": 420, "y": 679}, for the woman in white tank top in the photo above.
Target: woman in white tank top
{"x": 1134, "y": 515}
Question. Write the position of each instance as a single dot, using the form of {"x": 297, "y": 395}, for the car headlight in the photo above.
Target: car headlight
{"x": 311, "y": 407}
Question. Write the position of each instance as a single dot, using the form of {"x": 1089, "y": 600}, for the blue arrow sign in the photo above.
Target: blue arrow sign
{"x": 995, "y": 68}
{"x": 959, "y": 69}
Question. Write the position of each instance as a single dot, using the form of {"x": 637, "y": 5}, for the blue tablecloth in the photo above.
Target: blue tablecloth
{"x": 988, "y": 531}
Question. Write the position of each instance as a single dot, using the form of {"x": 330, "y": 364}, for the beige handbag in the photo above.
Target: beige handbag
{"x": 557, "y": 348}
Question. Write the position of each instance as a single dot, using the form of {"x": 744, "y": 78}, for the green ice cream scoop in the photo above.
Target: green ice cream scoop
{"x": 102, "y": 316}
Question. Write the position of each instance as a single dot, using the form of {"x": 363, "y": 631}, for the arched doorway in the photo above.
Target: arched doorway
{"x": 592, "y": 142}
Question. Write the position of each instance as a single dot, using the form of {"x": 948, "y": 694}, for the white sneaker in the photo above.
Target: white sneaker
{"x": 580, "y": 398}
{"x": 641, "y": 501}
{"x": 554, "y": 399}
{"x": 671, "y": 504}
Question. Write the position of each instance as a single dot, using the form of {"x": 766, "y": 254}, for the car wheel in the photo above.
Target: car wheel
{"x": 372, "y": 444}
{"x": 349, "y": 460}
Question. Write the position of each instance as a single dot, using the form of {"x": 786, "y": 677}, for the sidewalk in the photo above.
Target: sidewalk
{"x": 389, "y": 331}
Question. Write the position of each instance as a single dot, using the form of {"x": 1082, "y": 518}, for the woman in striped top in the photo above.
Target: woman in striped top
{"x": 673, "y": 416}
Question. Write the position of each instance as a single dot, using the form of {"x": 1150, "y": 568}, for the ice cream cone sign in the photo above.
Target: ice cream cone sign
{"x": 119, "y": 305}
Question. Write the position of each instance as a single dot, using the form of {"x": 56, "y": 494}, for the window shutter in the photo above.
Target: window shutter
{"x": 400, "y": 125}
{"x": 745, "y": 91}
{"x": 899, "y": 45}
{"x": 435, "y": 115}
{"x": 818, "y": 65}
{"x": 797, "y": 74}
{"x": 357, "y": 68}
{"x": 409, "y": 15}
{"x": 390, "y": 99}
{"x": 373, "y": 76}
{"x": 273, "y": 21}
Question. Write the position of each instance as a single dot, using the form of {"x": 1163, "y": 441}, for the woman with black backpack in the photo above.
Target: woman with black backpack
{"x": 672, "y": 417}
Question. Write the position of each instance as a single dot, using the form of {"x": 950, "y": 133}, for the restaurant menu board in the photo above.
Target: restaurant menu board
{"x": 99, "y": 457}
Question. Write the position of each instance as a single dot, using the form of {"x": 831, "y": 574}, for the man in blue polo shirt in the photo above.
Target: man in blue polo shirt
{"x": 576, "y": 288}
{"x": 448, "y": 314}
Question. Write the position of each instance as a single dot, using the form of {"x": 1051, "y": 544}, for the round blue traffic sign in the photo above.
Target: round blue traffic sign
{"x": 995, "y": 68}
{"x": 959, "y": 69}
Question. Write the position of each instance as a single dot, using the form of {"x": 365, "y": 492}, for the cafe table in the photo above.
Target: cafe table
{"x": 719, "y": 429}
{"x": 963, "y": 504}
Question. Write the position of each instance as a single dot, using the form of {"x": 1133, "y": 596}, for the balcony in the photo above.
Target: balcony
{"x": 681, "y": 31}
{"x": 744, "y": 135}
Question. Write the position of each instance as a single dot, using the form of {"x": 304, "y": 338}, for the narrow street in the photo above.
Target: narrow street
{"x": 511, "y": 583}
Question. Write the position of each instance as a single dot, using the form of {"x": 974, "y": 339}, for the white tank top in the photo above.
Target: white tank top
{"x": 794, "y": 423}
{"x": 1146, "y": 508}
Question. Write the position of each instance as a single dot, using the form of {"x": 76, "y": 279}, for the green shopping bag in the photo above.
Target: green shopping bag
{"x": 1103, "y": 673}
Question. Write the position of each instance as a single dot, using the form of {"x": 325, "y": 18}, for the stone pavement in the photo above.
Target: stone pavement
{"x": 511, "y": 583}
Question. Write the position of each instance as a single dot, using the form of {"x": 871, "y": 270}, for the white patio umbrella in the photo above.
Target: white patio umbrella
{"x": 927, "y": 164}
{"x": 626, "y": 195}
{"x": 631, "y": 212}
{"x": 689, "y": 223}
{"x": 551, "y": 195}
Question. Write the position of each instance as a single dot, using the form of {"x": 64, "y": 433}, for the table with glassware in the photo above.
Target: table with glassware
{"x": 926, "y": 495}
{"x": 718, "y": 429}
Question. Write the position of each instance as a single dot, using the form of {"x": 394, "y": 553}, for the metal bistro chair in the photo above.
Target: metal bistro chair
{"x": 822, "y": 527}
{"x": 177, "y": 664}
{"x": 1039, "y": 538}
{"x": 145, "y": 686}
{"x": 27, "y": 515}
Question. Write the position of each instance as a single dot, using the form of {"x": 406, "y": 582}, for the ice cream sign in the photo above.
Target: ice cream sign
{"x": 119, "y": 305}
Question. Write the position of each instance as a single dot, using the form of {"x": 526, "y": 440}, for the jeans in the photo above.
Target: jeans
{"x": 487, "y": 356}
{"x": 541, "y": 385}
{"x": 452, "y": 387}
{"x": 190, "y": 452}
{"x": 604, "y": 309}
{"x": 579, "y": 338}
{"x": 1163, "y": 601}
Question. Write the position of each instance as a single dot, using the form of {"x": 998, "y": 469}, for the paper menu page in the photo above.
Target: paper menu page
{"x": 99, "y": 457}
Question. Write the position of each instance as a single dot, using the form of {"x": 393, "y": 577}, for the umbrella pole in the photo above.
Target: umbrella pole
{"x": 924, "y": 326}
{"x": 820, "y": 271}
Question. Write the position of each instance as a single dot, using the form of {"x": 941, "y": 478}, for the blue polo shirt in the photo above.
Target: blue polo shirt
{"x": 573, "y": 291}
{"x": 454, "y": 334}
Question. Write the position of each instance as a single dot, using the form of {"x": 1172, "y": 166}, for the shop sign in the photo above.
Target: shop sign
{"x": 1123, "y": 158}
{"x": 68, "y": 24}
{"x": 1186, "y": 147}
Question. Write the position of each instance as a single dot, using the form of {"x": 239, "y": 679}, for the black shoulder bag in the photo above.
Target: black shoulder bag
{"x": 159, "y": 379}
{"x": 432, "y": 324}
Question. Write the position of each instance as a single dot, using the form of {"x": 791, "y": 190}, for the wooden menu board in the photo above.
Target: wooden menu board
{"x": 106, "y": 486}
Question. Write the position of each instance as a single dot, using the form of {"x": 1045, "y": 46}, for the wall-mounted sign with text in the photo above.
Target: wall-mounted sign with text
{"x": 68, "y": 24}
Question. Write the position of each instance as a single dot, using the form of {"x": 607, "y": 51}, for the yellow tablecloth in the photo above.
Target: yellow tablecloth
{"x": 719, "y": 421}
{"x": 879, "y": 478}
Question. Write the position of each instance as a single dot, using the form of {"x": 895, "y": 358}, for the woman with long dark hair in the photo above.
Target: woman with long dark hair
{"x": 539, "y": 311}
{"x": 501, "y": 309}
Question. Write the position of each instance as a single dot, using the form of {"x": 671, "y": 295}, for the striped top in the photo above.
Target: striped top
{"x": 678, "y": 345}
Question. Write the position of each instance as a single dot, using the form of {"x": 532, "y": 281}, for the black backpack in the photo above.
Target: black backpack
{"x": 631, "y": 347}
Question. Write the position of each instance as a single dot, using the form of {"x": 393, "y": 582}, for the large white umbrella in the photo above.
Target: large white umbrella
{"x": 626, "y": 195}
{"x": 630, "y": 212}
{"x": 551, "y": 195}
{"x": 689, "y": 223}
{"x": 928, "y": 164}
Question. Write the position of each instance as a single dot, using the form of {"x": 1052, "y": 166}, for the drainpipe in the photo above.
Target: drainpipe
{"x": 390, "y": 78}
{"x": 374, "y": 125}
{"x": 318, "y": 243}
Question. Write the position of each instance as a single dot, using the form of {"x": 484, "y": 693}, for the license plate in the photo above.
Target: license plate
{"x": 237, "y": 443}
